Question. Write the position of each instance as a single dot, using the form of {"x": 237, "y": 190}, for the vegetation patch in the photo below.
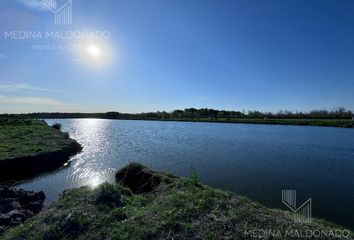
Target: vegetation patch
{"x": 26, "y": 137}
{"x": 177, "y": 208}
{"x": 138, "y": 178}
{"x": 31, "y": 146}
{"x": 339, "y": 117}
{"x": 109, "y": 195}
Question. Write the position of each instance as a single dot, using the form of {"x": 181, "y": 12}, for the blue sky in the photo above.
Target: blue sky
{"x": 169, "y": 54}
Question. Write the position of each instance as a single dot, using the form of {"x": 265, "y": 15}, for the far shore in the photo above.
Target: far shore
{"x": 336, "y": 118}
{"x": 341, "y": 123}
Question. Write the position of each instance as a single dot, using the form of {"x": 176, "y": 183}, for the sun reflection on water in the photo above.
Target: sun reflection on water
{"x": 87, "y": 166}
{"x": 95, "y": 182}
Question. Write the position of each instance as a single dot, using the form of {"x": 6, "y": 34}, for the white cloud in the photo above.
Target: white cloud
{"x": 17, "y": 87}
{"x": 34, "y": 104}
{"x": 34, "y": 4}
{"x": 32, "y": 101}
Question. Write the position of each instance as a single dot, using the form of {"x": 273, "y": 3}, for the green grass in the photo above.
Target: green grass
{"x": 19, "y": 138}
{"x": 177, "y": 209}
{"x": 345, "y": 123}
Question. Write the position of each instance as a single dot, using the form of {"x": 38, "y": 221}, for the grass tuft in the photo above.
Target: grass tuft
{"x": 109, "y": 195}
{"x": 194, "y": 176}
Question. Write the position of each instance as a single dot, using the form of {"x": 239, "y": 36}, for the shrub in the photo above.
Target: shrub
{"x": 57, "y": 126}
{"x": 74, "y": 224}
{"x": 194, "y": 176}
{"x": 109, "y": 194}
{"x": 118, "y": 214}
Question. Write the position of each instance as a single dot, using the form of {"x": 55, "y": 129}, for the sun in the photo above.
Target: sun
{"x": 94, "y": 51}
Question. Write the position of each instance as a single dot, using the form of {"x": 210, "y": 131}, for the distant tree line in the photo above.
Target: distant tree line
{"x": 193, "y": 113}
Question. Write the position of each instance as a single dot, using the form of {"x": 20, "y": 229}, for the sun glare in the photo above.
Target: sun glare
{"x": 94, "y": 51}
{"x": 95, "y": 182}
{"x": 97, "y": 53}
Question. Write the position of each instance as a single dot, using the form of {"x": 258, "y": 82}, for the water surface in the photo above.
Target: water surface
{"x": 257, "y": 161}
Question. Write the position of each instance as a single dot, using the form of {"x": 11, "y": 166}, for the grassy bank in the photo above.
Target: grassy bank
{"x": 19, "y": 138}
{"x": 343, "y": 123}
{"x": 329, "y": 119}
{"x": 32, "y": 144}
{"x": 150, "y": 205}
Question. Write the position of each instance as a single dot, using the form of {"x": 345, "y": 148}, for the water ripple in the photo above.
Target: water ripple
{"x": 255, "y": 160}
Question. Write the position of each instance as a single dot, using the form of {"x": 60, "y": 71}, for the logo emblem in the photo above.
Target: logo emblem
{"x": 301, "y": 214}
{"x": 62, "y": 10}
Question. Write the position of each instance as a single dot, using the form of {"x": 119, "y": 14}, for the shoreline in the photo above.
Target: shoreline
{"x": 336, "y": 123}
{"x": 292, "y": 122}
{"x": 30, "y": 166}
{"x": 144, "y": 204}
{"x": 32, "y": 147}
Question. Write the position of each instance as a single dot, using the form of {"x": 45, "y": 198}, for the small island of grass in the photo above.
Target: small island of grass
{"x": 28, "y": 146}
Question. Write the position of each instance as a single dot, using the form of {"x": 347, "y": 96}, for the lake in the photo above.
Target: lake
{"x": 258, "y": 161}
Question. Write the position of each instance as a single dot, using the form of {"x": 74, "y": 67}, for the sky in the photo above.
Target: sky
{"x": 174, "y": 54}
